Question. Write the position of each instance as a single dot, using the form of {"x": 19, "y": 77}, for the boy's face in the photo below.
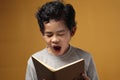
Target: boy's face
{"x": 57, "y": 37}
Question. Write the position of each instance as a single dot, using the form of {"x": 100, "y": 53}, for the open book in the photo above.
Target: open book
{"x": 70, "y": 71}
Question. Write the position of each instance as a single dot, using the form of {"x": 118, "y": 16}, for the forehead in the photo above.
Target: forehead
{"x": 55, "y": 26}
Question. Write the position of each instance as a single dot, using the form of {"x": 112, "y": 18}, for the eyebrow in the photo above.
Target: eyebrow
{"x": 48, "y": 32}
{"x": 60, "y": 31}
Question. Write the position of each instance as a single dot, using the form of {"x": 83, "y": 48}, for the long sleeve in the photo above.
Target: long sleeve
{"x": 30, "y": 71}
{"x": 92, "y": 73}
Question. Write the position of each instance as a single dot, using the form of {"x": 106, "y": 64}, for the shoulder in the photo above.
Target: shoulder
{"x": 40, "y": 53}
{"x": 81, "y": 52}
{"x": 37, "y": 54}
{"x": 86, "y": 56}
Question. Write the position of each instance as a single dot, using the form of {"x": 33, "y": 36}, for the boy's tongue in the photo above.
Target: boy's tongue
{"x": 57, "y": 48}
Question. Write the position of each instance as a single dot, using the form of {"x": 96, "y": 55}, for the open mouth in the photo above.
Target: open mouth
{"x": 57, "y": 48}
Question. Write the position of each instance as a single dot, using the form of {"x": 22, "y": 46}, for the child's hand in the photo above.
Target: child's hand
{"x": 85, "y": 76}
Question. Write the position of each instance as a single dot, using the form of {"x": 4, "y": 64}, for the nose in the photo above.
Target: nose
{"x": 55, "y": 40}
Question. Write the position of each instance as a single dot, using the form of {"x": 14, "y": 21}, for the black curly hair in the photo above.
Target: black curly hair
{"x": 56, "y": 10}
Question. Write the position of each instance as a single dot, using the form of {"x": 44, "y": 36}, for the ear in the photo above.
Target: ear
{"x": 73, "y": 31}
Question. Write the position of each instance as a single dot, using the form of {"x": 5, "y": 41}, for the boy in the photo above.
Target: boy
{"x": 57, "y": 25}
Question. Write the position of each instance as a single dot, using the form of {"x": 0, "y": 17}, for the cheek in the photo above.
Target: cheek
{"x": 47, "y": 40}
{"x": 67, "y": 39}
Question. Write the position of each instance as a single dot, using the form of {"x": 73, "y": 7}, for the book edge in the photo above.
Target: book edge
{"x": 69, "y": 64}
{"x": 53, "y": 69}
{"x": 47, "y": 66}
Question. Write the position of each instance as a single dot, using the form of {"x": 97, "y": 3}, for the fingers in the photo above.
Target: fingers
{"x": 85, "y": 76}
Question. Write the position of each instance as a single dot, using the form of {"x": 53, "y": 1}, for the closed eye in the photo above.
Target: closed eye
{"x": 48, "y": 34}
{"x": 61, "y": 34}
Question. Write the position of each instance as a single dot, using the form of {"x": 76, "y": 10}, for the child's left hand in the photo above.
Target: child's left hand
{"x": 85, "y": 76}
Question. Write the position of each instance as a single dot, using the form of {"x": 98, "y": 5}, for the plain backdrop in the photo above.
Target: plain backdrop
{"x": 98, "y": 32}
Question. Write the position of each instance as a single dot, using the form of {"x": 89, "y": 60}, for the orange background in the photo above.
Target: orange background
{"x": 98, "y": 31}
